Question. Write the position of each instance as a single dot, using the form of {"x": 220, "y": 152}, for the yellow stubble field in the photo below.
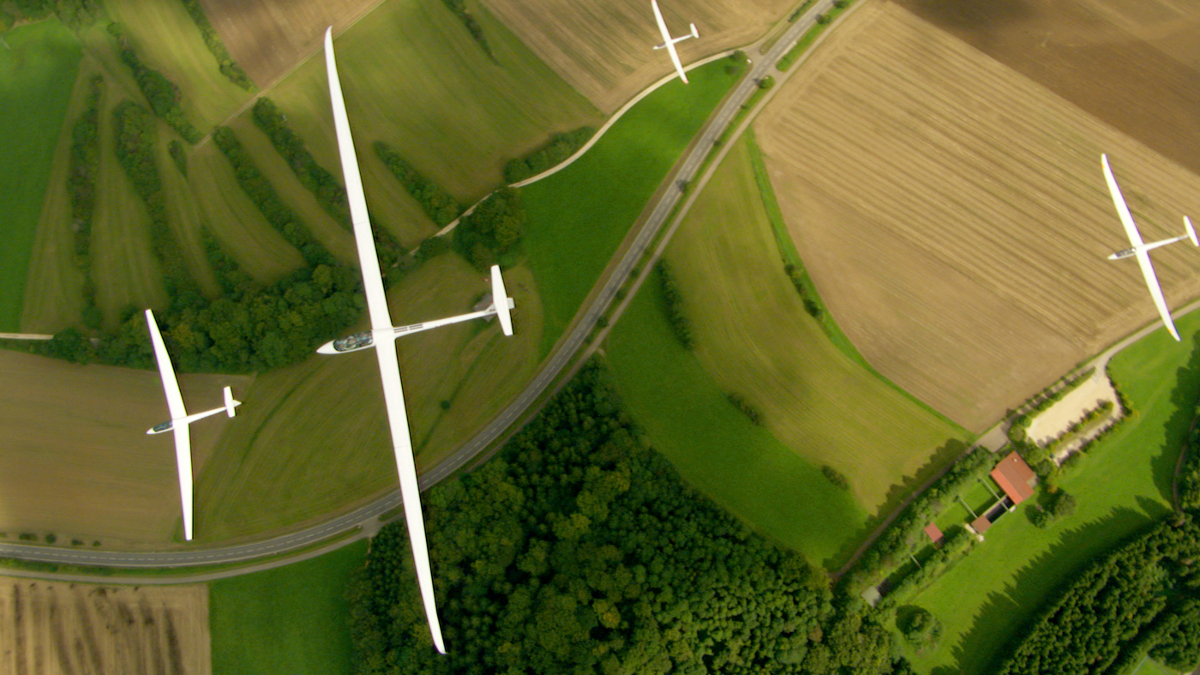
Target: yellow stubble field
{"x": 76, "y": 460}
{"x": 954, "y": 215}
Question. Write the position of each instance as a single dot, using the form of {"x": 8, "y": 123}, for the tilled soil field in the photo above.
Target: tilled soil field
{"x": 605, "y": 48}
{"x": 954, "y": 215}
{"x": 62, "y": 629}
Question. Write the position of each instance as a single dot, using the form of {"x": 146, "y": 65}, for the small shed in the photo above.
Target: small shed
{"x": 935, "y": 535}
{"x": 981, "y": 524}
{"x": 1015, "y": 477}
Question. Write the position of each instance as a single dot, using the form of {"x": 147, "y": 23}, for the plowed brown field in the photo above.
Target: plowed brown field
{"x": 267, "y": 37}
{"x": 1133, "y": 64}
{"x": 605, "y": 48}
{"x": 63, "y": 629}
{"x": 954, "y": 215}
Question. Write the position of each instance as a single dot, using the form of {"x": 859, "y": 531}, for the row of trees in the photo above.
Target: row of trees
{"x": 324, "y": 186}
{"x": 136, "y": 137}
{"x": 162, "y": 94}
{"x": 258, "y": 329}
{"x": 82, "y": 171}
{"x": 673, "y": 305}
{"x": 459, "y": 7}
{"x": 493, "y": 229}
{"x": 73, "y": 13}
{"x": 441, "y": 206}
{"x": 801, "y": 282}
{"x": 1144, "y": 597}
{"x": 578, "y": 550}
{"x": 229, "y": 68}
{"x": 905, "y": 533}
{"x": 554, "y": 152}
{"x": 273, "y": 208}
{"x": 1188, "y": 480}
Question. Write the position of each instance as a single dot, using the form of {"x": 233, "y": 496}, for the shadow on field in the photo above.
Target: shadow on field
{"x": 974, "y": 15}
{"x": 1006, "y": 617}
{"x": 1184, "y": 397}
{"x": 941, "y": 459}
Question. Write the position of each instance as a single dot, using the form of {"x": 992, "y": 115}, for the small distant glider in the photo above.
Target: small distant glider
{"x": 383, "y": 335}
{"x": 1142, "y": 250}
{"x": 180, "y": 420}
{"x": 669, "y": 43}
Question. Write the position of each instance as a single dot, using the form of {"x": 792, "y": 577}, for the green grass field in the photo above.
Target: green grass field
{"x": 313, "y": 438}
{"x": 714, "y": 446}
{"x": 37, "y": 73}
{"x": 755, "y": 339}
{"x": 167, "y": 40}
{"x": 579, "y": 216}
{"x": 291, "y": 620}
{"x": 1122, "y": 484}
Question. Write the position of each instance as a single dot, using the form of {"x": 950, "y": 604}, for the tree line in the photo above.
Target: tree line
{"x": 1188, "y": 480}
{"x": 228, "y": 67}
{"x": 73, "y": 13}
{"x": 673, "y": 305}
{"x": 274, "y": 209}
{"x": 136, "y": 137}
{"x": 459, "y": 8}
{"x": 554, "y": 152}
{"x": 1142, "y": 598}
{"x": 258, "y": 329}
{"x": 905, "y": 533}
{"x": 577, "y": 549}
{"x": 162, "y": 94}
{"x": 441, "y": 206}
{"x": 323, "y": 185}
{"x": 83, "y": 169}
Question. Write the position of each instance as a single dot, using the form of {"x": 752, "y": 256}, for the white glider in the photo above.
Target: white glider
{"x": 1142, "y": 250}
{"x": 669, "y": 43}
{"x": 180, "y": 420}
{"x": 382, "y": 336}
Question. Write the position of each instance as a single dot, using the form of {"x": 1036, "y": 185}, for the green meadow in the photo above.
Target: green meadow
{"x": 292, "y": 620}
{"x": 1122, "y": 485}
{"x": 38, "y": 63}
{"x": 740, "y": 466}
{"x": 579, "y": 216}
{"x": 755, "y": 339}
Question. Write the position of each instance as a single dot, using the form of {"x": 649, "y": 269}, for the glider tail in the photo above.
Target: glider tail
{"x": 230, "y": 403}
{"x": 1191, "y": 232}
{"x": 503, "y": 303}
{"x": 695, "y": 33}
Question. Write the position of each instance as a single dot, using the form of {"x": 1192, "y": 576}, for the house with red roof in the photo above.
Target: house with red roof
{"x": 1015, "y": 477}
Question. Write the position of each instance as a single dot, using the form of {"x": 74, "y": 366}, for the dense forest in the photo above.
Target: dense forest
{"x": 579, "y": 550}
{"x": 1143, "y": 598}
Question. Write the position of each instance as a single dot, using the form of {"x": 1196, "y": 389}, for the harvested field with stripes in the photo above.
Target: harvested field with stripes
{"x": 605, "y": 48}
{"x": 954, "y": 216}
{"x": 77, "y": 462}
{"x": 61, "y": 629}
